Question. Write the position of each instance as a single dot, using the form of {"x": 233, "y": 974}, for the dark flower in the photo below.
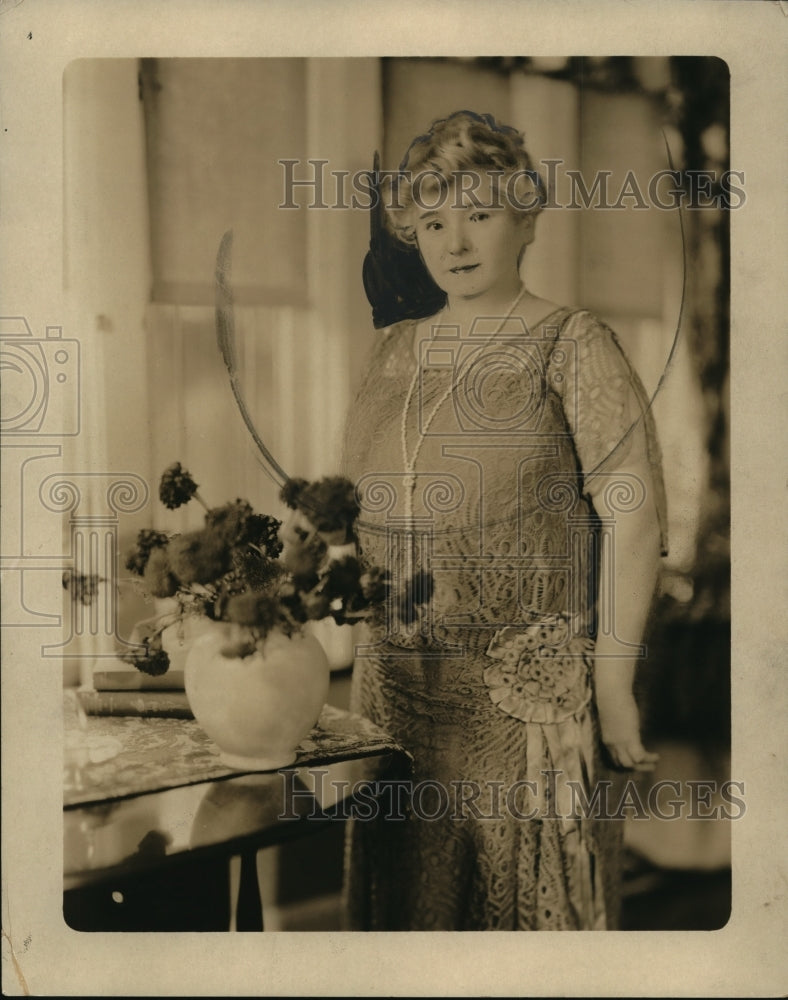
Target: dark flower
{"x": 290, "y": 598}
{"x": 343, "y": 578}
{"x": 303, "y": 560}
{"x": 154, "y": 662}
{"x": 374, "y": 585}
{"x": 176, "y": 486}
{"x": 147, "y": 541}
{"x": 199, "y": 557}
{"x": 239, "y": 526}
{"x": 330, "y": 504}
{"x": 82, "y": 586}
{"x": 291, "y": 491}
{"x": 147, "y": 655}
{"x": 255, "y": 610}
{"x": 253, "y": 569}
{"x": 158, "y": 576}
{"x": 231, "y": 522}
{"x": 316, "y": 605}
{"x": 263, "y": 532}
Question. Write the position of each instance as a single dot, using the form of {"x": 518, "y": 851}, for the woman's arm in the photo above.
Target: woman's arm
{"x": 628, "y": 576}
{"x": 608, "y": 414}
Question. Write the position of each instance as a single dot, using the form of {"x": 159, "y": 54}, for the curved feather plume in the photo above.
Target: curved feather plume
{"x": 225, "y": 337}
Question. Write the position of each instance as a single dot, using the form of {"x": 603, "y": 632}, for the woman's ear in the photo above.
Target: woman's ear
{"x": 528, "y": 227}
{"x": 528, "y": 232}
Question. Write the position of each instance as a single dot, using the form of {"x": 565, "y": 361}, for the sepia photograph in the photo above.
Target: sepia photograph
{"x": 390, "y": 527}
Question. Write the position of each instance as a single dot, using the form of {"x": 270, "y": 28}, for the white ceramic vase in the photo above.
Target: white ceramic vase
{"x": 258, "y": 708}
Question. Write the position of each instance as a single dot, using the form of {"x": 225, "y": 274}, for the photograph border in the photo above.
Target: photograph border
{"x": 41, "y": 955}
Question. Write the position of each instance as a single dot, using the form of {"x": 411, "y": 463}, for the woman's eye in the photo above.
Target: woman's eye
{"x": 480, "y": 216}
{"x": 433, "y": 226}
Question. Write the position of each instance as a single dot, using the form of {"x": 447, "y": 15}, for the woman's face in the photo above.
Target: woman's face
{"x": 471, "y": 242}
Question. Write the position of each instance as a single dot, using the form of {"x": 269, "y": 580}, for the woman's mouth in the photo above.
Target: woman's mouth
{"x": 464, "y": 268}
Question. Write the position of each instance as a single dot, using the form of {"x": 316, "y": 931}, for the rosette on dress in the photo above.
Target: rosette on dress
{"x": 542, "y": 671}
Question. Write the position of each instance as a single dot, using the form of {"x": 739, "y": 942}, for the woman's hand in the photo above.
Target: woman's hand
{"x": 620, "y": 724}
{"x": 627, "y": 581}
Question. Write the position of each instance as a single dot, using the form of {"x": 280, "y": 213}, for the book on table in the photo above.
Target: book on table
{"x": 115, "y": 675}
{"x": 117, "y": 688}
{"x": 161, "y": 704}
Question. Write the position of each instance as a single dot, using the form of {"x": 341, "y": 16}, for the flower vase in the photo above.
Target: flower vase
{"x": 176, "y": 641}
{"x": 257, "y": 708}
{"x": 336, "y": 640}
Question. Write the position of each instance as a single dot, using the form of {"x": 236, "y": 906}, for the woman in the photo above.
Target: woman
{"x": 509, "y": 477}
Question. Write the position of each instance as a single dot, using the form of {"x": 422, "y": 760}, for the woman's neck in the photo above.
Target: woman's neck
{"x": 498, "y": 306}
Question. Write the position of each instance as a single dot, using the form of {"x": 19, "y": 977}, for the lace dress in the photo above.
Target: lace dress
{"x": 483, "y": 671}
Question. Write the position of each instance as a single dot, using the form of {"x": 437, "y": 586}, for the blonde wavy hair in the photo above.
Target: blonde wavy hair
{"x": 463, "y": 143}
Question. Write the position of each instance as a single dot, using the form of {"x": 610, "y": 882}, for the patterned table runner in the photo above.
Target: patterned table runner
{"x": 114, "y": 757}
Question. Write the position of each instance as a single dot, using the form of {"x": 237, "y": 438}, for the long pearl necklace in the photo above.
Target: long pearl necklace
{"x": 409, "y": 460}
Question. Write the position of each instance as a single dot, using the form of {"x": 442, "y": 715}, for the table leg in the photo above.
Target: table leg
{"x": 249, "y": 909}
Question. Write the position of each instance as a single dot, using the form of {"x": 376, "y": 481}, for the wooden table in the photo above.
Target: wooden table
{"x": 152, "y": 817}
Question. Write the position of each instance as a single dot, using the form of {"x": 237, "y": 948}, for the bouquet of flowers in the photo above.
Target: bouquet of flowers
{"x": 251, "y": 570}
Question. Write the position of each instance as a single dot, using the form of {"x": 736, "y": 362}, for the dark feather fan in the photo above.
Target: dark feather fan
{"x": 396, "y": 282}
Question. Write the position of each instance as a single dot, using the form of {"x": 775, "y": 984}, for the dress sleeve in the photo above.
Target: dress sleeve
{"x": 607, "y": 410}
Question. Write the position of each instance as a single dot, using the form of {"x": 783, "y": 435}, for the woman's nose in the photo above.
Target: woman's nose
{"x": 456, "y": 237}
